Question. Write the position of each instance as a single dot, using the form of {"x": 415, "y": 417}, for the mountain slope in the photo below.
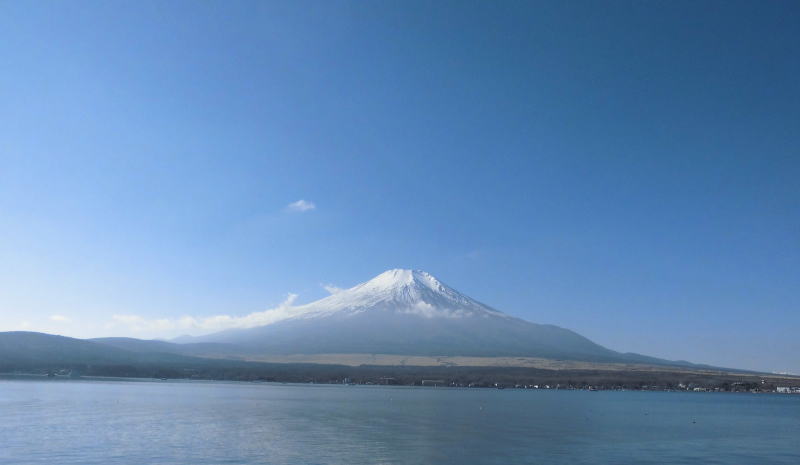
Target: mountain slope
{"x": 30, "y": 349}
{"x": 164, "y": 347}
{"x": 412, "y": 313}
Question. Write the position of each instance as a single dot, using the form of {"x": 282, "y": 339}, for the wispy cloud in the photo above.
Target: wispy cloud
{"x": 332, "y": 289}
{"x": 301, "y": 206}
{"x": 59, "y": 318}
{"x": 189, "y": 324}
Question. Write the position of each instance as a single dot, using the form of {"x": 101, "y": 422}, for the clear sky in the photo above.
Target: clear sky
{"x": 628, "y": 170}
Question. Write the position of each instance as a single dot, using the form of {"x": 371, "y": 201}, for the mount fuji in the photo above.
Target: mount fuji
{"x": 410, "y": 312}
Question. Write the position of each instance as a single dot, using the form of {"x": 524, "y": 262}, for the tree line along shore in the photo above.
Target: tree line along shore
{"x": 437, "y": 376}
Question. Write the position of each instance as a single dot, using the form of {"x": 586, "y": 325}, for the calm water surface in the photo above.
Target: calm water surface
{"x": 165, "y": 422}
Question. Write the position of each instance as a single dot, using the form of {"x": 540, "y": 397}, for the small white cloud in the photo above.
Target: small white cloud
{"x": 332, "y": 289}
{"x": 59, "y": 318}
{"x": 301, "y": 206}
{"x": 474, "y": 254}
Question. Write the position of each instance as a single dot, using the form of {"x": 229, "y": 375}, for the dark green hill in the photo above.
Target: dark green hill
{"x": 201, "y": 349}
{"x": 22, "y": 349}
{"x": 37, "y": 354}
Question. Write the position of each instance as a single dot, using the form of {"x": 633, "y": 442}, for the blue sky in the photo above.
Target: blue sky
{"x": 628, "y": 170}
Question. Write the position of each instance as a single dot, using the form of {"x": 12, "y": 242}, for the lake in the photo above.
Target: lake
{"x": 62, "y": 422}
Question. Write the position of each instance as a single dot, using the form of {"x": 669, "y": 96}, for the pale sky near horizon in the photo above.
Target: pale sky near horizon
{"x": 627, "y": 170}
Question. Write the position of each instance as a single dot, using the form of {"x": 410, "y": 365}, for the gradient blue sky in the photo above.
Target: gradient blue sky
{"x": 628, "y": 170}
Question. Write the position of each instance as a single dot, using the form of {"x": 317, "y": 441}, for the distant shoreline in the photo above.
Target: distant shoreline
{"x": 579, "y": 381}
{"x": 395, "y": 360}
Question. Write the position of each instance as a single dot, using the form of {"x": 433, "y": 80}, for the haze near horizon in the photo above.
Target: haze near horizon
{"x": 624, "y": 170}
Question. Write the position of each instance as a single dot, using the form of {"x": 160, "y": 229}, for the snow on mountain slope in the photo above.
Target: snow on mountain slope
{"x": 404, "y": 291}
{"x": 410, "y": 312}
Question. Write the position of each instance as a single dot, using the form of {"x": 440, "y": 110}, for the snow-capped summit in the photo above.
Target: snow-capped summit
{"x": 410, "y": 312}
{"x": 399, "y": 290}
